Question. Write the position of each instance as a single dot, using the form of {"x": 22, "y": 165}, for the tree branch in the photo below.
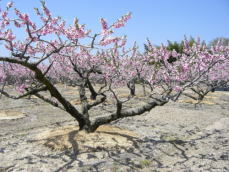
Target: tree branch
{"x": 49, "y": 101}
{"x": 122, "y": 114}
{"x": 97, "y": 102}
{"x": 31, "y": 92}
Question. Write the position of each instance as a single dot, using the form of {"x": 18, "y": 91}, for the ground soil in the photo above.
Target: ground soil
{"x": 176, "y": 137}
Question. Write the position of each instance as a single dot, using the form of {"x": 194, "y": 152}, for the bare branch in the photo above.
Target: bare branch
{"x": 31, "y": 92}
{"x": 49, "y": 101}
{"x": 97, "y": 102}
{"x": 131, "y": 112}
{"x": 93, "y": 40}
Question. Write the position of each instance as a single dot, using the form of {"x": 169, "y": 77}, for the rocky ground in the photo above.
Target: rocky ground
{"x": 174, "y": 137}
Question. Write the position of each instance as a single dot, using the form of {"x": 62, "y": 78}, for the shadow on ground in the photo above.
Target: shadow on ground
{"x": 144, "y": 153}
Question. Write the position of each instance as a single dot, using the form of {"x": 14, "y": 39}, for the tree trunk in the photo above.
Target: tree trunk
{"x": 92, "y": 90}
{"x": 55, "y": 93}
{"x": 144, "y": 88}
{"x": 84, "y": 106}
{"x": 131, "y": 86}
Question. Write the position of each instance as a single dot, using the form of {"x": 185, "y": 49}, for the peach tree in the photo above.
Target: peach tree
{"x": 99, "y": 63}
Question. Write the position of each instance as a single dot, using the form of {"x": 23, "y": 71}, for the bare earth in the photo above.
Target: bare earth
{"x": 174, "y": 137}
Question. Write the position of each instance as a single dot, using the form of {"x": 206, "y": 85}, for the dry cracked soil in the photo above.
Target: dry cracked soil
{"x": 176, "y": 137}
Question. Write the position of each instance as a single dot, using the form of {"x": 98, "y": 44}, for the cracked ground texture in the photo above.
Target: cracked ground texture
{"x": 174, "y": 137}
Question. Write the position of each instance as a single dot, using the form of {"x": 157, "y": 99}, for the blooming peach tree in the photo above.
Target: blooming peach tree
{"x": 197, "y": 68}
{"x": 54, "y": 52}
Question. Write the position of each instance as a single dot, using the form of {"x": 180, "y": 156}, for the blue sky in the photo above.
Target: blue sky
{"x": 159, "y": 20}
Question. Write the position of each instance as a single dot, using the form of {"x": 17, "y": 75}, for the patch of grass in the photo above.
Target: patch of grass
{"x": 172, "y": 137}
{"x": 144, "y": 163}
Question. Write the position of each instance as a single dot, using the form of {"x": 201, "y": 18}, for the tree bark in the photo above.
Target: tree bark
{"x": 126, "y": 113}
{"x": 92, "y": 90}
{"x": 84, "y": 107}
{"x": 131, "y": 86}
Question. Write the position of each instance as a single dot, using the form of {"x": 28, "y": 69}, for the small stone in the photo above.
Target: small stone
{"x": 224, "y": 157}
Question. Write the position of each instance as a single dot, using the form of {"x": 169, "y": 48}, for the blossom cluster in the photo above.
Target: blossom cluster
{"x": 59, "y": 53}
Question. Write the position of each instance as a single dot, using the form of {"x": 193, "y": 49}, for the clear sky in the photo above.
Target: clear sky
{"x": 159, "y": 20}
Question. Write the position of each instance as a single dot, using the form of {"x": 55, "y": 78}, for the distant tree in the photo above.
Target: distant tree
{"x": 221, "y": 40}
{"x": 177, "y": 47}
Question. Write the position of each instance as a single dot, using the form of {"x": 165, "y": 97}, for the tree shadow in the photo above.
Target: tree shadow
{"x": 57, "y": 155}
{"x": 8, "y": 168}
{"x": 75, "y": 152}
{"x": 72, "y": 155}
{"x": 143, "y": 147}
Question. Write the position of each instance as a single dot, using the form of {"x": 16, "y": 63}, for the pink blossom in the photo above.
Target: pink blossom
{"x": 109, "y": 40}
{"x": 117, "y": 64}
{"x": 17, "y": 24}
{"x": 9, "y": 4}
{"x": 177, "y": 88}
{"x": 21, "y": 88}
{"x": 185, "y": 67}
{"x": 9, "y": 35}
{"x": 4, "y": 14}
{"x": 121, "y": 22}
{"x": 106, "y": 32}
{"x": 104, "y": 24}
{"x": 47, "y": 12}
{"x": 123, "y": 41}
{"x": 174, "y": 53}
{"x": 24, "y": 17}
